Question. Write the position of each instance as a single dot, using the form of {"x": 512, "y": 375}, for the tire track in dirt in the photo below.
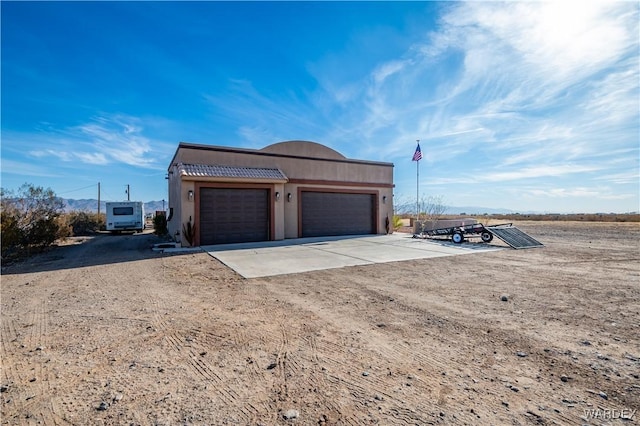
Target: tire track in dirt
{"x": 252, "y": 351}
{"x": 92, "y": 373}
{"x": 431, "y": 361}
{"x": 192, "y": 347}
{"x": 339, "y": 360}
{"x": 48, "y": 409}
{"x": 10, "y": 339}
{"x": 225, "y": 387}
{"x": 454, "y": 359}
{"x": 13, "y": 378}
{"x": 240, "y": 352}
{"x": 28, "y": 380}
{"x": 505, "y": 344}
{"x": 105, "y": 370}
{"x": 318, "y": 376}
{"x": 283, "y": 365}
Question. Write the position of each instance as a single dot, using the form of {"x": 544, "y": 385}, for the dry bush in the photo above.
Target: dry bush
{"x": 84, "y": 223}
{"x": 30, "y": 219}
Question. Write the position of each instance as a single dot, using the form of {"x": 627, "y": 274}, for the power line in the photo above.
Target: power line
{"x": 79, "y": 189}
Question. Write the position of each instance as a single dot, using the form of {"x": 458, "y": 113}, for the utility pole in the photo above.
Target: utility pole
{"x": 128, "y": 193}
{"x": 98, "y": 198}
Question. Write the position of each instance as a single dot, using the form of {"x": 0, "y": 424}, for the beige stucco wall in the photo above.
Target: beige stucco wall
{"x": 295, "y": 166}
{"x": 306, "y": 165}
{"x": 183, "y": 208}
{"x": 279, "y": 212}
{"x": 175, "y": 202}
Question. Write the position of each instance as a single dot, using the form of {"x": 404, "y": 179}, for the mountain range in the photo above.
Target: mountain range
{"x": 91, "y": 205}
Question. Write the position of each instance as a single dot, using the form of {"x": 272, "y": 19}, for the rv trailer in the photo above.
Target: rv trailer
{"x": 125, "y": 216}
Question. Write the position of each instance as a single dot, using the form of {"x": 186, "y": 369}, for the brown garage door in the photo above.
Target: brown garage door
{"x": 231, "y": 215}
{"x": 331, "y": 213}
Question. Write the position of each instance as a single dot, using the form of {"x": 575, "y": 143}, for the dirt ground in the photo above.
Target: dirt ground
{"x": 105, "y": 331}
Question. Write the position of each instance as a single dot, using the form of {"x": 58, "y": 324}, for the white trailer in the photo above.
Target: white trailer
{"x": 125, "y": 216}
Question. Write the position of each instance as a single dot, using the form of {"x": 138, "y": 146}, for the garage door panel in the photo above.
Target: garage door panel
{"x": 231, "y": 215}
{"x": 329, "y": 213}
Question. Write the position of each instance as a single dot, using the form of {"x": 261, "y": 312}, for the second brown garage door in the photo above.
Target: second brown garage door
{"x": 231, "y": 215}
{"x": 335, "y": 213}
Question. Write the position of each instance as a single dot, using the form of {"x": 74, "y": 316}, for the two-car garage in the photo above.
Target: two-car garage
{"x": 230, "y": 215}
{"x": 285, "y": 190}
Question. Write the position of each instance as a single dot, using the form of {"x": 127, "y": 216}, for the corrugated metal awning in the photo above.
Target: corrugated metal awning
{"x": 233, "y": 172}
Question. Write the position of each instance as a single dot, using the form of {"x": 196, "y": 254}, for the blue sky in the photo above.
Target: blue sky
{"x": 525, "y": 106}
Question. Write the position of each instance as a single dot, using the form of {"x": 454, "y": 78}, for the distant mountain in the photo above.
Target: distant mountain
{"x": 475, "y": 210}
{"x": 91, "y": 205}
{"x": 83, "y": 205}
{"x": 152, "y": 206}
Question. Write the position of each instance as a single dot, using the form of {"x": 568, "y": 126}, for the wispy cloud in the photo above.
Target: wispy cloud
{"x": 93, "y": 158}
{"x": 22, "y": 168}
{"x": 261, "y": 118}
{"x": 536, "y": 172}
{"x": 62, "y": 156}
{"x": 522, "y": 72}
{"x": 387, "y": 69}
{"x": 106, "y": 139}
{"x": 529, "y": 60}
{"x": 578, "y": 192}
{"x": 533, "y": 172}
{"x": 497, "y": 92}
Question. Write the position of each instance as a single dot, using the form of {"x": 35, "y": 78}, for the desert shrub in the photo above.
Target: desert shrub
{"x": 160, "y": 224}
{"x": 397, "y": 222}
{"x": 30, "y": 219}
{"x": 64, "y": 228}
{"x": 10, "y": 230}
{"x": 85, "y": 223}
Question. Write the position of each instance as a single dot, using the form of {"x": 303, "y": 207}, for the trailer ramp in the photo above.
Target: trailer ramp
{"x": 514, "y": 237}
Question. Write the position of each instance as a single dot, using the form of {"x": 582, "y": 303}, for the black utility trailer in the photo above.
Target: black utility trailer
{"x": 459, "y": 233}
{"x": 505, "y": 231}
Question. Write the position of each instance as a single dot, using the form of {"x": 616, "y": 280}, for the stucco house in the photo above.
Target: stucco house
{"x": 286, "y": 190}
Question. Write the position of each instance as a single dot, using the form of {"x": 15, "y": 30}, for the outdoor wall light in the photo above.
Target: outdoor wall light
{"x": 384, "y": 199}
{"x": 277, "y": 195}
{"x": 190, "y": 195}
{"x": 289, "y": 197}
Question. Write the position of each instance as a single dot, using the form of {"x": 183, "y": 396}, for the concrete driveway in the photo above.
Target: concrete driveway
{"x": 252, "y": 260}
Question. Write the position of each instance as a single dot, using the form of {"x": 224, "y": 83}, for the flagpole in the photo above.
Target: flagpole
{"x": 418, "y": 186}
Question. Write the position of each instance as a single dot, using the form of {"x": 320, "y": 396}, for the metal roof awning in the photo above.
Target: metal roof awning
{"x": 215, "y": 172}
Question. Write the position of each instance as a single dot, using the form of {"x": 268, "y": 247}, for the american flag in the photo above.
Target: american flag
{"x": 417, "y": 156}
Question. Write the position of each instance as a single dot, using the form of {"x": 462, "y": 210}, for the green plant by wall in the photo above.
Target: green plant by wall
{"x": 160, "y": 224}
{"x": 397, "y": 222}
{"x": 189, "y": 232}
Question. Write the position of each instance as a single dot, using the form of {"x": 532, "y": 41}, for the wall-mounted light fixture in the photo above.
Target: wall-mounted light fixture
{"x": 384, "y": 199}
{"x": 277, "y": 196}
{"x": 289, "y": 197}
{"x": 190, "y": 195}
